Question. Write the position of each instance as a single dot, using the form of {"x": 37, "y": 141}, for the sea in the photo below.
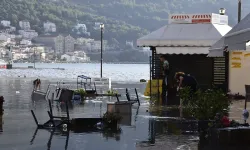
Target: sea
{"x": 149, "y": 127}
{"x": 117, "y": 72}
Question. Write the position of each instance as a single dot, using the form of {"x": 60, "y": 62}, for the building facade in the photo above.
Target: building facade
{"x": 24, "y": 25}
{"x": 69, "y": 44}
{"x": 80, "y": 28}
{"x": 5, "y": 23}
{"x": 59, "y": 44}
{"x": 49, "y": 27}
{"x": 25, "y": 42}
{"x": 28, "y": 34}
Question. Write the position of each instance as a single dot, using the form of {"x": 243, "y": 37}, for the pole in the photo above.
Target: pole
{"x": 150, "y": 76}
{"x": 10, "y": 54}
{"x": 101, "y": 49}
{"x": 34, "y": 58}
{"x": 239, "y": 10}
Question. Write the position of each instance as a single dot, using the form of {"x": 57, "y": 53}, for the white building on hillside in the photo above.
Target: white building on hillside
{"x": 80, "y": 28}
{"x": 28, "y": 34}
{"x": 5, "y": 23}
{"x": 17, "y": 56}
{"x": 24, "y": 25}
{"x": 59, "y": 44}
{"x": 69, "y": 44}
{"x": 25, "y": 42}
{"x": 68, "y": 58}
{"x": 3, "y": 37}
{"x": 97, "y": 25}
{"x": 49, "y": 27}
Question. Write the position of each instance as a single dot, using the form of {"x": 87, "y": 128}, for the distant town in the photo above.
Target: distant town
{"x": 23, "y": 44}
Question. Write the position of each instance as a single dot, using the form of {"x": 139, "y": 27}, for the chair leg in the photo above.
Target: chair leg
{"x": 246, "y": 98}
{"x": 117, "y": 98}
{"x": 137, "y": 97}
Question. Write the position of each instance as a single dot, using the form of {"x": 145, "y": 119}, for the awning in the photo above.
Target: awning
{"x": 216, "y": 53}
{"x": 182, "y": 50}
{"x": 182, "y": 35}
{"x": 217, "y": 50}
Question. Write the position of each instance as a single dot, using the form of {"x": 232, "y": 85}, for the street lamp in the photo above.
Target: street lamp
{"x": 222, "y": 11}
{"x": 34, "y": 57}
{"x": 102, "y": 27}
{"x": 9, "y": 54}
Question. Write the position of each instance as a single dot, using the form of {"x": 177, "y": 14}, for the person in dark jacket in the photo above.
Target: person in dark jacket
{"x": 186, "y": 81}
{"x": 37, "y": 84}
{"x": 165, "y": 68}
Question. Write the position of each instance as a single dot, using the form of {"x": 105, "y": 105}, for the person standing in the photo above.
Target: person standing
{"x": 165, "y": 78}
{"x": 165, "y": 69}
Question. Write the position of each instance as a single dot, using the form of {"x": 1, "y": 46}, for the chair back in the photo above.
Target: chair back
{"x": 247, "y": 89}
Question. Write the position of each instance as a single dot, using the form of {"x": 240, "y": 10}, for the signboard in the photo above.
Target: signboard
{"x": 236, "y": 65}
{"x": 198, "y": 18}
{"x": 223, "y": 19}
{"x": 247, "y": 55}
{"x": 236, "y": 53}
{"x": 236, "y": 59}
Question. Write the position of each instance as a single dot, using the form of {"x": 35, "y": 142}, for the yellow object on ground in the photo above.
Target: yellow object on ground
{"x": 155, "y": 87}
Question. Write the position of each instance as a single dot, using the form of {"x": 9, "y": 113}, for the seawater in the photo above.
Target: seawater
{"x": 150, "y": 127}
{"x": 117, "y": 72}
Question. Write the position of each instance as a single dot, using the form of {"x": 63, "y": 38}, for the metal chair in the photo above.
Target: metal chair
{"x": 247, "y": 89}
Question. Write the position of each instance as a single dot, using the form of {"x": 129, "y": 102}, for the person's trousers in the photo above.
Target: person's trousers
{"x": 165, "y": 90}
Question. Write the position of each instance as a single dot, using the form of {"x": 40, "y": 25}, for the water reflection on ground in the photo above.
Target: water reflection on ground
{"x": 148, "y": 128}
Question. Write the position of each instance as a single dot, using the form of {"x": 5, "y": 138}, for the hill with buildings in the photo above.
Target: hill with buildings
{"x": 69, "y": 26}
{"x": 123, "y": 19}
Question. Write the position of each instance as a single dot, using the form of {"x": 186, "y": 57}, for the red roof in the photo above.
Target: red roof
{"x": 180, "y": 17}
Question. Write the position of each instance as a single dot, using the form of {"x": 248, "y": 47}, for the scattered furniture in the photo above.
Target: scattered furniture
{"x": 65, "y": 123}
{"x": 129, "y": 99}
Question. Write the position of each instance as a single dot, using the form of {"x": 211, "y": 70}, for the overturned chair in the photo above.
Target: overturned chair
{"x": 56, "y": 121}
{"x": 129, "y": 99}
{"x": 73, "y": 124}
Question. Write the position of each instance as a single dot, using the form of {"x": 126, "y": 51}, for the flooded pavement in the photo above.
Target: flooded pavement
{"x": 148, "y": 128}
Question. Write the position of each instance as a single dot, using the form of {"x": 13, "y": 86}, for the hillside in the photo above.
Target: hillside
{"x": 123, "y": 19}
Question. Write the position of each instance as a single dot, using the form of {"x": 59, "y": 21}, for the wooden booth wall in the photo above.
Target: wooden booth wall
{"x": 200, "y": 66}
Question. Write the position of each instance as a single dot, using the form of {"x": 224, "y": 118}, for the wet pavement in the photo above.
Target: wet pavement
{"x": 149, "y": 128}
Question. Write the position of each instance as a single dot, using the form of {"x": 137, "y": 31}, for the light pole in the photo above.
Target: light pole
{"x": 10, "y": 54}
{"x": 239, "y": 10}
{"x": 102, "y": 27}
{"x": 34, "y": 57}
